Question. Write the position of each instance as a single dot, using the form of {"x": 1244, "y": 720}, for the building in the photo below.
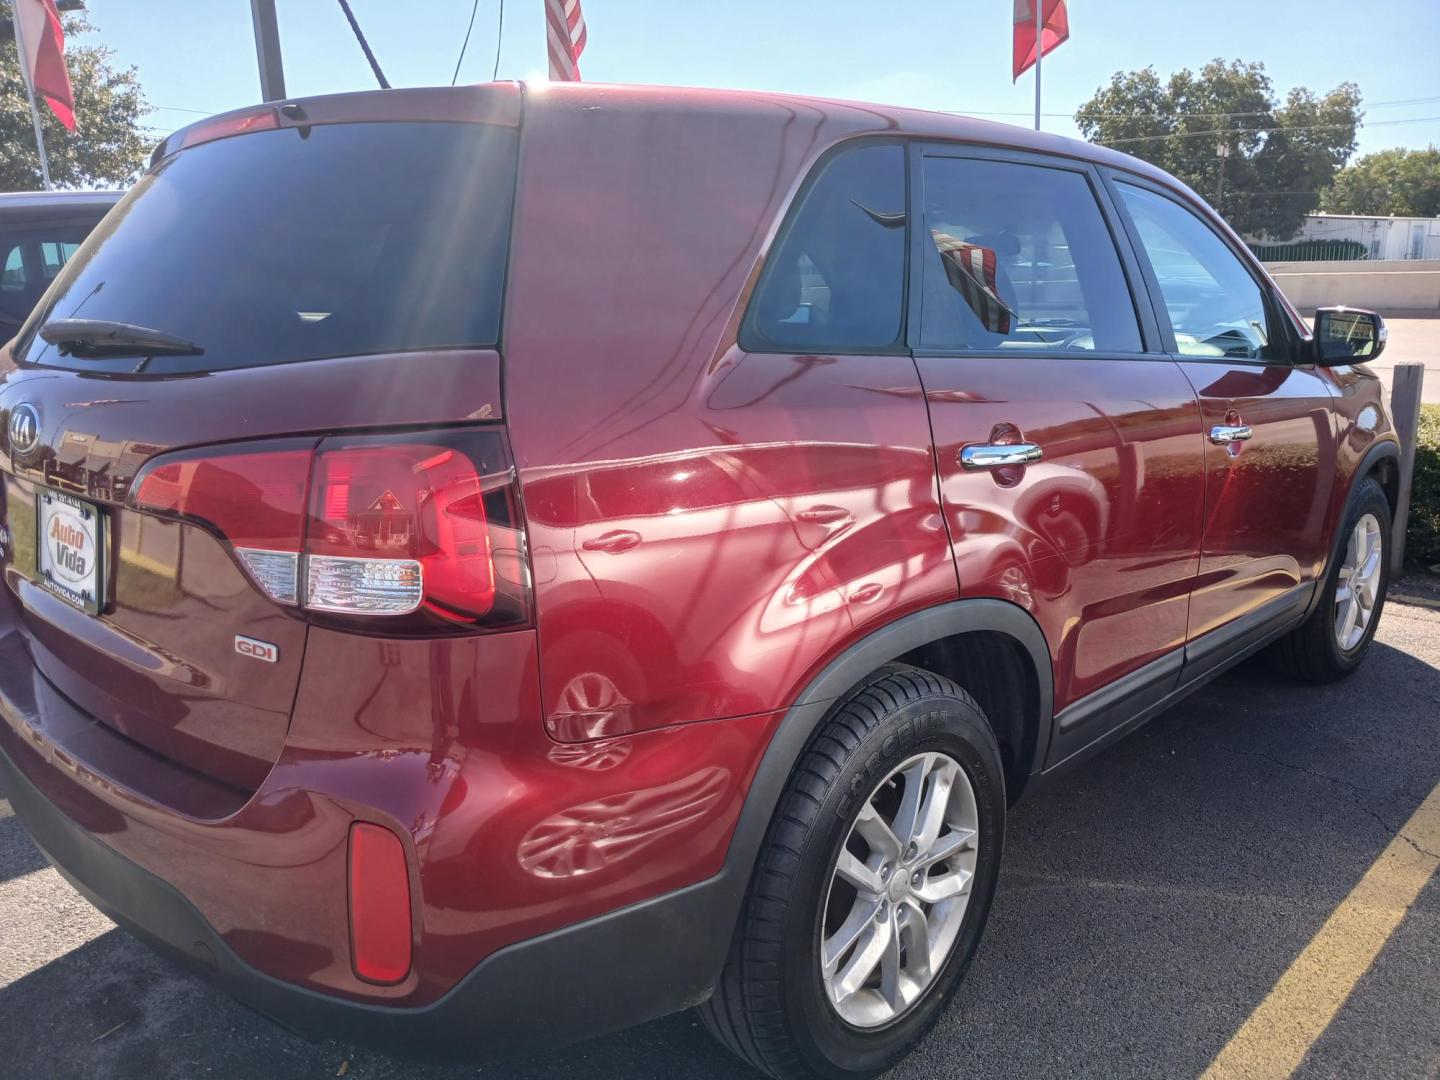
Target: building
{"x": 1382, "y": 237}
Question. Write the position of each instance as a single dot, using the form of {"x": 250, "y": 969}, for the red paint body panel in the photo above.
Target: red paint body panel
{"x": 772, "y": 505}
{"x": 1099, "y": 541}
{"x": 508, "y": 833}
{"x": 1267, "y": 501}
{"x": 161, "y": 665}
{"x": 708, "y": 528}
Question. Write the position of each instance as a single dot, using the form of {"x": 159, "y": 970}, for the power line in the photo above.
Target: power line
{"x": 466, "y": 43}
{"x": 1192, "y": 116}
{"x": 499, "y": 37}
{"x": 1262, "y": 131}
{"x": 979, "y": 112}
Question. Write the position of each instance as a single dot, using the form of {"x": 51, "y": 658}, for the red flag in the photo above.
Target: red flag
{"x": 565, "y": 36}
{"x": 44, "y": 40}
{"x": 1056, "y": 26}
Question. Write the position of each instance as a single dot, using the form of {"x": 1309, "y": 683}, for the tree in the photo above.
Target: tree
{"x": 1401, "y": 182}
{"x": 1263, "y": 163}
{"x": 106, "y": 149}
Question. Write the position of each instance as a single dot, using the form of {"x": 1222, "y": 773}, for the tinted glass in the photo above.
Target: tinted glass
{"x": 1020, "y": 257}
{"x": 1215, "y": 306}
{"x": 30, "y": 257}
{"x": 836, "y": 281}
{"x": 273, "y": 246}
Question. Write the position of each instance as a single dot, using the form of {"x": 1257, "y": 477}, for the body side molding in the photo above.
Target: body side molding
{"x": 1146, "y": 693}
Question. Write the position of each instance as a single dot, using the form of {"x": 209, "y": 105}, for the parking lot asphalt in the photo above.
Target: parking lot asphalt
{"x": 1149, "y": 903}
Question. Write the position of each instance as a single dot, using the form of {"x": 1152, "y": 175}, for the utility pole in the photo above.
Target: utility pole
{"x": 1222, "y": 151}
{"x": 267, "y": 50}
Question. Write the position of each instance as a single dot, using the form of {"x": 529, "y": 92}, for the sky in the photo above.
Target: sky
{"x": 197, "y": 57}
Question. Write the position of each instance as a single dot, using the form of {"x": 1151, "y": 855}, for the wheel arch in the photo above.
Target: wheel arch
{"x": 1382, "y": 461}
{"x": 1005, "y": 634}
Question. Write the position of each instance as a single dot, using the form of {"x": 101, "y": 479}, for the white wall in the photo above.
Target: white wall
{"x": 1380, "y": 285}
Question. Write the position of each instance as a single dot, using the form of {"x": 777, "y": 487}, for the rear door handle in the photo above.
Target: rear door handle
{"x": 998, "y": 455}
{"x": 824, "y": 514}
{"x": 613, "y": 543}
{"x": 1224, "y": 434}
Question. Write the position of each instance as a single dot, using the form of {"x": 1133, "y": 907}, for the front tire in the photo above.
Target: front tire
{"x": 1332, "y": 642}
{"x": 872, "y": 887}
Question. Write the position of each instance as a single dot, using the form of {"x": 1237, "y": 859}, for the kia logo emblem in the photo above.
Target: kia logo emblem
{"x": 24, "y": 429}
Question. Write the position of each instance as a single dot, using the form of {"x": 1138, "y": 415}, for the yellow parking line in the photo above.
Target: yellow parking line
{"x": 1283, "y": 1028}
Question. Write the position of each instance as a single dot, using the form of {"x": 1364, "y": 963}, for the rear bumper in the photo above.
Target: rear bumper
{"x": 598, "y": 976}
{"x": 558, "y": 892}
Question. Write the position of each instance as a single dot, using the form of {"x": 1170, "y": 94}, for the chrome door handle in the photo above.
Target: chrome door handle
{"x": 999, "y": 455}
{"x": 614, "y": 542}
{"x": 1224, "y": 434}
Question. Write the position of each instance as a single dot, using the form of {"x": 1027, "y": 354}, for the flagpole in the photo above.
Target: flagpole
{"x": 30, "y": 93}
{"x": 1039, "y": 54}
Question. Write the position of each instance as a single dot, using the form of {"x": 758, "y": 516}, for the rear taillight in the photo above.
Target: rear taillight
{"x": 421, "y": 530}
{"x": 380, "y": 925}
{"x": 255, "y": 499}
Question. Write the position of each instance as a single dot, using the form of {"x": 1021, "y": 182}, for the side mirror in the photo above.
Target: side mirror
{"x": 1347, "y": 336}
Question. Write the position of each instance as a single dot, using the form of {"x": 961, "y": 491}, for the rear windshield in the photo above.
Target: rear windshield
{"x": 296, "y": 244}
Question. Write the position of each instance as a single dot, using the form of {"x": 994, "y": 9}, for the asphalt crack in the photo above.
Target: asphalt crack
{"x": 1356, "y": 793}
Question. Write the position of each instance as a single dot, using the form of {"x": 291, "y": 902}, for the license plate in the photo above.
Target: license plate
{"x": 70, "y": 549}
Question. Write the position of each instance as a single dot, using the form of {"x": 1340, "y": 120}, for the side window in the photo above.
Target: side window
{"x": 835, "y": 281}
{"x": 1215, "y": 306}
{"x": 55, "y": 254}
{"x": 12, "y": 279}
{"x": 1019, "y": 257}
{"x": 34, "y": 256}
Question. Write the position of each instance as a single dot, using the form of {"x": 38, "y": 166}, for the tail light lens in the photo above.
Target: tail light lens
{"x": 420, "y": 530}
{"x": 379, "y": 904}
{"x": 264, "y": 118}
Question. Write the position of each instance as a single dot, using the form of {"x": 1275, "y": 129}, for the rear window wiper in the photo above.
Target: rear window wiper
{"x": 105, "y": 337}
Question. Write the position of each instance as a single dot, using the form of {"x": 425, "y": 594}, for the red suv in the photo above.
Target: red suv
{"x": 494, "y": 565}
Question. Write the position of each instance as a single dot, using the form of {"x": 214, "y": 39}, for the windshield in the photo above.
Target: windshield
{"x": 300, "y": 243}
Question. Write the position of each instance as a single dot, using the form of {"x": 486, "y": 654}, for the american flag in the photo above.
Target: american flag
{"x": 970, "y": 269}
{"x": 565, "y": 33}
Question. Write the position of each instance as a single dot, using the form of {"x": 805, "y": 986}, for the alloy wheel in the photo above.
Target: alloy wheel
{"x": 1358, "y": 588}
{"x": 899, "y": 890}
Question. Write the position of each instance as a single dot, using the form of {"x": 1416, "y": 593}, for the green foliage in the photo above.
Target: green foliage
{"x": 1402, "y": 182}
{"x": 1422, "y": 538}
{"x": 1280, "y": 154}
{"x": 107, "y": 148}
{"x": 1311, "y": 251}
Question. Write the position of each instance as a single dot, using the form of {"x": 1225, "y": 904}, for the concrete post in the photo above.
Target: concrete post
{"x": 1405, "y": 412}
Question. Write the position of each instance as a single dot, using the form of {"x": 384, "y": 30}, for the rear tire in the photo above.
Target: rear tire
{"x": 905, "y": 730}
{"x": 1332, "y": 642}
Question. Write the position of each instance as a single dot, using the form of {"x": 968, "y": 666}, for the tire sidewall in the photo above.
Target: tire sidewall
{"x": 932, "y": 723}
{"x": 1368, "y": 498}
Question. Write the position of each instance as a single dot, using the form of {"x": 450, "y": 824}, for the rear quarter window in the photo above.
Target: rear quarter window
{"x": 835, "y": 282}
{"x": 298, "y": 244}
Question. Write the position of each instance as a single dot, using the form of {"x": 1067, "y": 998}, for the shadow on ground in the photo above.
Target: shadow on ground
{"x": 1148, "y": 903}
